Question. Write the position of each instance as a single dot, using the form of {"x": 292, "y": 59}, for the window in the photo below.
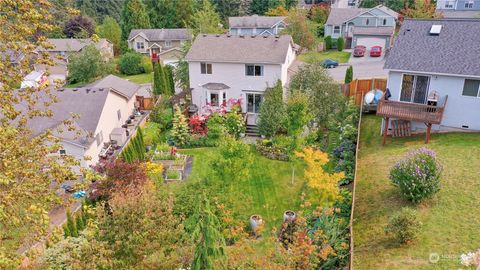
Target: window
{"x": 253, "y": 70}
{"x": 449, "y": 4}
{"x": 367, "y": 21}
{"x": 384, "y": 21}
{"x": 168, "y": 43}
{"x": 471, "y": 88}
{"x": 140, "y": 46}
{"x": 336, "y": 29}
{"x": 63, "y": 152}
{"x": 205, "y": 68}
{"x": 119, "y": 114}
{"x": 99, "y": 138}
{"x": 214, "y": 99}
{"x": 414, "y": 88}
{"x": 469, "y": 4}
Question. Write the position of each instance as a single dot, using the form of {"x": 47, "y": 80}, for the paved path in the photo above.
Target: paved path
{"x": 367, "y": 69}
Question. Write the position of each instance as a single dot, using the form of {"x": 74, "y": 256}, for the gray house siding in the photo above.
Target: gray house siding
{"x": 460, "y": 111}
{"x": 461, "y": 5}
{"x": 458, "y": 5}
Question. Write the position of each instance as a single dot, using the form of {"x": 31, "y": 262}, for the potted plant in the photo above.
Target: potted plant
{"x": 289, "y": 216}
{"x": 256, "y": 223}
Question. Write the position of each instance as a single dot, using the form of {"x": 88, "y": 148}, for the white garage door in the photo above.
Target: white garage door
{"x": 371, "y": 41}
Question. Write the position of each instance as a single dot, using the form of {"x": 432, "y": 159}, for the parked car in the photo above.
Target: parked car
{"x": 359, "y": 51}
{"x": 376, "y": 51}
{"x": 329, "y": 63}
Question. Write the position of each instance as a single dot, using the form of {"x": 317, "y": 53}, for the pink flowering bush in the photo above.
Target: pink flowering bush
{"x": 417, "y": 174}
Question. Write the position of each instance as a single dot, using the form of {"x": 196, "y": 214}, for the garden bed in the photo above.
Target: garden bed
{"x": 450, "y": 219}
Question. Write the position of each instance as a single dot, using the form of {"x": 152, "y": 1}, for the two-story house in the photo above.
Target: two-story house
{"x": 256, "y": 25}
{"x": 224, "y": 67}
{"x": 164, "y": 44}
{"x": 431, "y": 83}
{"x": 360, "y": 26}
{"x": 102, "y": 107}
{"x": 459, "y": 8}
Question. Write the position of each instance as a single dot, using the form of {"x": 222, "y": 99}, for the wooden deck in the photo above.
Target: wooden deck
{"x": 430, "y": 115}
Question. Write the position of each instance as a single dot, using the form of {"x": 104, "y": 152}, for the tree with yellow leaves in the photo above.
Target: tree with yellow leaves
{"x": 318, "y": 179}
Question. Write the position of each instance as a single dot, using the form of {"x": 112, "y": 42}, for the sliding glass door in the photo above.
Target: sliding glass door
{"x": 414, "y": 88}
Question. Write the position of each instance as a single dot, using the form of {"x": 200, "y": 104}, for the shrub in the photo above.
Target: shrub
{"x": 328, "y": 42}
{"x": 233, "y": 162}
{"x": 147, "y": 65}
{"x": 173, "y": 174}
{"x": 234, "y": 124}
{"x": 349, "y": 75}
{"x": 87, "y": 65}
{"x": 162, "y": 114}
{"x": 180, "y": 131}
{"x": 267, "y": 149}
{"x": 272, "y": 112}
{"x": 215, "y": 126}
{"x": 417, "y": 175}
{"x": 340, "y": 44}
{"x": 131, "y": 63}
{"x": 404, "y": 226}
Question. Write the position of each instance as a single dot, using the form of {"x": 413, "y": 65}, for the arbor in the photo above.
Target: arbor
{"x": 87, "y": 65}
{"x": 206, "y": 20}
{"x": 110, "y": 30}
{"x": 27, "y": 189}
{"x": 349, "y": 74}
{"x": 180, "y": 131}
{"x": 299, "y": 30}
{"x": 79, "y": 27}
{"x": 272, "y": 111}
{"x": 210, "y": 244}
{"x": 134, "y": 16}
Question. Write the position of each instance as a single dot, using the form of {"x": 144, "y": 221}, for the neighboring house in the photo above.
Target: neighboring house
{"x": 165, "y": 44}
{"x": 224, "y": 67}
{"x": 102, "y": 107}
{"x": 361, "y": 26}
{"x": 459, "y": 8}
{"x": 63, "y": 48}
{"x": 35, "y": 79}
{"x": 256, "y": 25}
{"x": 13, "y": 57}
{"x": 430, "y": 61}
{"x": 309, "y": 3}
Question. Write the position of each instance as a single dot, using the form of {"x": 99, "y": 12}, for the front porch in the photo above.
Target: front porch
{"x": 408, "y": 111}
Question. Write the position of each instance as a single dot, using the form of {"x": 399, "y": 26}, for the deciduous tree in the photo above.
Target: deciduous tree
{"x": 134, "y": 16}
{"x": 422, "y": 9}
{"x": 206, "y": 20}
{"x": 87, "y": 65}
{"x": 272, "y": 111}
{"x": 79, "y": 27}
{"x": 110, "y": 30}
{"x": 299, "y": 30}
{"x": 162, "y": 13}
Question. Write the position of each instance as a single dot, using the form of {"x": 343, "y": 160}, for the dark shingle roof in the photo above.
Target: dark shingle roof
{"x": 454, "y": 51}
{"x": 340, "y": 15}
{"x": 71, "y": 44}
{"x": 254, "y": 21}
{"x": 215, "y": 86}
{"x": 240, "y": 49}
{"x": 162, "y": 34}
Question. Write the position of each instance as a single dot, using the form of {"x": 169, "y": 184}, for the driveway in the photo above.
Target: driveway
{"x": 361, "y": 70}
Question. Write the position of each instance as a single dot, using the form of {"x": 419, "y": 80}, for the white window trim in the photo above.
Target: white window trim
{"x": 478, "y": 90}
{"x": 468, "y": 4}
{"x": 449, "y": 4}
{"x": 220, "y": 97}
{"x": 255, "y": 65}
{"x": 339, "y": 29}
{"x": 206, "y": 68}
{"x": 137, "y": 47}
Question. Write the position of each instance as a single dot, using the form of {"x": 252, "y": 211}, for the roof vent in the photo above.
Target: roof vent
{"x": 229, "y": 35}
{"x": 75, "y": 89}
{"x": 101, "y": 89}
{"x": 204, "y": 35}
{"x": 435, "y": 30}
{"x": 254, "y": 36}
{"x": 241, "y": 36}
{"x": 60, "y": 90}
{"x": 88, "y": 90}
{"x": 217, "y": 35}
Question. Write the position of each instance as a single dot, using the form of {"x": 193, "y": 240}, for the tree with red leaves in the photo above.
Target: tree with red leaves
{"x": 79, "y": 27}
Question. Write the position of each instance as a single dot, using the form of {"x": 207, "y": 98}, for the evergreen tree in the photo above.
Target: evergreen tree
{"x": 134, "y": 16}
{"x": 80, "y": 224}
{"x": 169, "y": 77}
{"x": 272, "y": 111}
{"x": 110, "y": 30}
{"x": 72, "y": 227}
{"x": 291, "y": 4}
{"x": 184, "y": 10}
{"x": 180, "y": 131}
{"x": 259, "y": 7}
{"x": 244, "y": 7}
{"x": 349, "y": 74}
{"x": 99, "y": 9}
{"x": 162, "y": 13}
{"x": 206, "y": 20}
{"x": 210, "y": 246}
{"x": 66, "y": 231}
{"x": 226, "y": 8}
{"x": 160, "y": 84}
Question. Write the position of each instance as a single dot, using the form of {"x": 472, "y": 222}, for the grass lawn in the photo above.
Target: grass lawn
{"x": 313, "y": 57}
{"x": 269, "y": 187}
{"x": 451, "y": 220}
{"x": 139, "y": 78}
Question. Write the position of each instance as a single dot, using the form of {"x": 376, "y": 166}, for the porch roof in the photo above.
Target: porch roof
{"x": 216, "y": 86}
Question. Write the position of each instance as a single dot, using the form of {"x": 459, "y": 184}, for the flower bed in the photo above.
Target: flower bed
{"x": 267, "y": 149}
{"x": 172, "y": 175}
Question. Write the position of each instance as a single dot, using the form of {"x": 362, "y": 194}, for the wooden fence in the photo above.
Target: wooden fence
{"x": 359, "y": 88}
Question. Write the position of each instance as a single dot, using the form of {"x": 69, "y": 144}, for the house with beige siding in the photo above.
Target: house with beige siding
{"x": 223, "y": 67}
{"x": 256, "y": 25}
{"x": 164, "y": 44}
{"x": 101, "y": 111}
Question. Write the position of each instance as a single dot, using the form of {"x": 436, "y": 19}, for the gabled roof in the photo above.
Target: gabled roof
{"x": 254, "y": 21}
{"x": 161, "y": 34}
{"x": 215, "y": 86}
{"x": 388, "y": 11}
{"x": 87, "y": 102}
{"x": 454, "y": 51}
{"x": 240, "y": 49}
{"x": 340, "y": 15}
{"x": 72, "y": 44}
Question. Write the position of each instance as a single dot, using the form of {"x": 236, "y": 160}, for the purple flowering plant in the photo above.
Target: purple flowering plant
{"x": 417, "y": 174}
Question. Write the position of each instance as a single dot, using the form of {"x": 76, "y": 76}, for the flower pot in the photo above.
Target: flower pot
{"x": 242, "y": 135}
{"x": 289, "y": 216}
{"x": 256, "y": 221}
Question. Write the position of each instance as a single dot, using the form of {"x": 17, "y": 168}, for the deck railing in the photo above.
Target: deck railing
{"x": 411, "y": 111}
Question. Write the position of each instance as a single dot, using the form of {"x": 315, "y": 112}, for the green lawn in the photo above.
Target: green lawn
{"x": 139, "y": 78}
{"x": 269, "y": 187}
{"x": 451, "y": 220}
{"x": 313, "y": 57}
